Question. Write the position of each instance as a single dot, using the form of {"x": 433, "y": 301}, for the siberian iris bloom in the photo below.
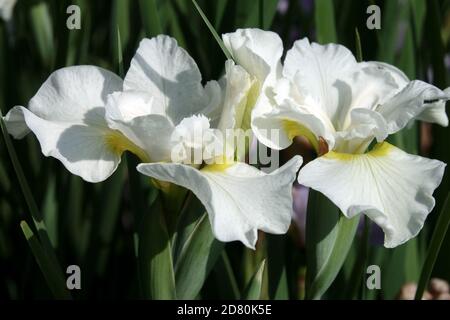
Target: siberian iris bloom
{"x": 86, "y": 117}
{"x": 346, "y": 110}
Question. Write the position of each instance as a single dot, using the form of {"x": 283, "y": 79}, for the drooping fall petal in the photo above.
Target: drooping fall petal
{"x": 392, "y": 187}
{"x": 239, "y": 198}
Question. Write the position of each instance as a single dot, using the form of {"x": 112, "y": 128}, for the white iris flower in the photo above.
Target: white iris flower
{"x": 86, "y": 117}
{"x": 342, "y": 106}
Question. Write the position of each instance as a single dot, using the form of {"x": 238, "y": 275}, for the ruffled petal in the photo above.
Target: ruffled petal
{"x": 67, "y": 117}
{"x": 317, "y": 71}
{"x": 418, "y": 100}
{"x": 83, "y": 149}
{"x": 392, "y": 187}
{"x": 239, "y": 198}
{"x": 258, "y": 51}
{"x": 168, "y": 74}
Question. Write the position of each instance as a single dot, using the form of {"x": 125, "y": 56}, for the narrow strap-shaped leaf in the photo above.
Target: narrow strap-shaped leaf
{"x": 359, "y": 54}
{"x": 436, "y": 242}
{"x": 5, "y": 184}
{"x": 150, "y": 18}
{"x": 53, "y": 278}
{"x": 212, "y": 30}
{"x": 389, "y": 33}
{"x": 325, "y": 22}
{"x": 107, "y": 218}
{"x": 190, "y": 216}
{"x": 357, "y": 277}
{"x": 254, "y": 288}
{"x": 329, "y": 236}
{"x": 220, "y": 10}
{"x": 31, "y": 203}
{"x": 196, "y": 259}
{"x": 276, "y": 267}
{"x": 119, "y": 54}
{"x": 120, "y": 29}
{"x": 41, "y": 22}
{"x": 225, "y": 278}
{"x": 155, "y": 256}
{"x": 174, "y": 24}
{"x": 259, "y": 13}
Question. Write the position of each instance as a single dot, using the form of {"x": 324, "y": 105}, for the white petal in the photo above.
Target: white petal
{"x": 15, "y": 123}
{"x": 366, "y": 88}
{"x": 149, "y": 132}
{"x": 365, "y": 125}
{"x": 148, "y": 137}
{"x": 168, "y": 74}
{"x": 191, "y": 130}
{"x": 398, "y": 75}
{"x": 316, "y": 69}
{"x": 238, "y": 198}
{"x": 258, "y": 51}
{"x": 391, "y": 187}
{"x": 67, "y": 117}
{"x": 75, "y": 94}
{"x": 277, "y": 128}
{"x": 6, "y": 8}
{"x": 127, "y": 105}
{"x": 195, "y": 142}
{"x": 213, "y": 108}
{"x": 82, "y": 149}
{"x": 418, "y": 100}
{"x": 238, "y": 97}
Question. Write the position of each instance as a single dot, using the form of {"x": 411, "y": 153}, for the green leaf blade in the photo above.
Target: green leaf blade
{"x": 254, "y": 288}
{"x": 155, "y": 256}
{"x": 325, "y": 22}
{"x": 212, "y": 30}
{"x": 197, "y": 259}
{"x": 53, "y": 278}
{"x": 329, "y": 236}
{"x": 437, "y": 239}
{"x": 150, "y": 18}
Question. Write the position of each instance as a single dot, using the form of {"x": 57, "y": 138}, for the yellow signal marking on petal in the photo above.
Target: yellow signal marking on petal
{"x": 295, "y": 129}
{"x": 217, "y": 167}
{"x": 252, "y": 97}
{"x": 379, "y": 150}
{"x": 118, "y": 144}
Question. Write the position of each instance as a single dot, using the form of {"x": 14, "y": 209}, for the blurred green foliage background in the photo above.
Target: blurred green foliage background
{"x": 94, "y": 226}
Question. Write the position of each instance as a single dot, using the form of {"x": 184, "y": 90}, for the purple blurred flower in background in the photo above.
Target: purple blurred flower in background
{"x": 300, "y": 202}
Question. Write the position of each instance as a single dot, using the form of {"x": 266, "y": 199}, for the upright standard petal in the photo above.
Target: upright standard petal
{"x": 316, "y": 69}
{"x": 398, "y": 75}
{"x": 393, "y": 188}
{"x": 168, "y": 74}
{"x": 240, "y": 91}
{"x": 239, "y": 198}
{"x": 67, "y": 117}
{"x": 75, "y": 94}
{"x": 258, "y": 51}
